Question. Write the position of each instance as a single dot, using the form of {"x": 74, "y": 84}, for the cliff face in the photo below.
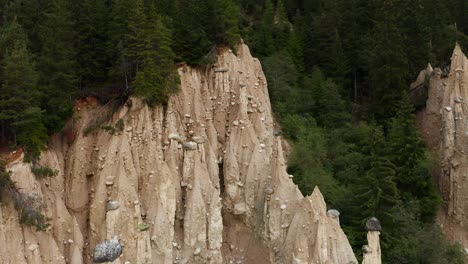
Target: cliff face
{"x": 202, "y": 181}
{"x": 445, "y": 127}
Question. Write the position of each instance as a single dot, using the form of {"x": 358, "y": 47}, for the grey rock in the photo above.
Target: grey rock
{"x": 221, "y": 69}
{"x": 268, "y": 190}
{"x": 107, "y": 251}
{"x": 112, "y": 205}
{"x": 373, "y": 224}
{"x": 333, "y": 213}
{"x": 366, "y": 249}
{"x": 278, "y": 133}
{"x": 177, "y": 137}
{"x": 189, "y": 145}
{"x": 198, "y": 140}
{"x": 240, "y": 208}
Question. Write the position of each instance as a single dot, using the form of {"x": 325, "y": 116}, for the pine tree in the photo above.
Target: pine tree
{"x": 126, "y": 34}
{"x": 157, "y": 77}
{"x": 193, "y": 43}
{"x": 406, "y": 145}
{"x": 388, "y": 66}
{"x": 226, "y": 22}
{"x": 264, "y": 41}
{"x": 281, "y": 26}
{"x": 296, "y": 48}
{"x": 93, "y": 54}
{"x": 416, "y": 33}
{"x": 378, "y": 192}
{"x": 56, "y": 63}
{"x": 19, "y": 115}
{"x": 407, "y": 152}
{"x": 337, "y": 65}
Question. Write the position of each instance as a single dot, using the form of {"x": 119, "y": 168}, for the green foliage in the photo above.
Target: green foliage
{"x": 29, "y": 207}
{"x": 92, "y": 26}
{"x": 158, "y": 77}
{"x": 378, "y": 194}
{"x": 337, "y": 72}
{"x": 306, "y": 161}
{"x": 372, "y": 167}
{"x": 199, "y": 25}
{"x": 5, "y": 181}
{"x": 420, "y": 243}
{"x": 56, "y": 64}
{"x": 19, "y": 113}
{"x": 118, "y": 127}
{"x": 388, "y": 68}
{"x": 143, "y": 226}
{"x": 407, "y": 152}
{"x": 43, "y": 171}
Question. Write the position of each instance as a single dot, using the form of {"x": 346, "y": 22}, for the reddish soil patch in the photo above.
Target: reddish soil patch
{"x": 85, "y": 102}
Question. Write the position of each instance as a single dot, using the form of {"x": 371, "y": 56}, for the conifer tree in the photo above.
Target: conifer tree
{"x": 281, "y": 26}
{"x": 388, "y": 66}
{"x": 56, "y": 63}
{"x": 379, "y": 194}
{"x": 93, "y": 55}
{"x": 192, "y": 43}
{"x": 157, "y": 77}
{"x": 226, "y": 22}
{"x": 296, "y": 50}
{"x": 407, "y": 152}
{"x": 376, "y": 192}
{"x": 264, "y": 42}
{"x": 19, "y": 115}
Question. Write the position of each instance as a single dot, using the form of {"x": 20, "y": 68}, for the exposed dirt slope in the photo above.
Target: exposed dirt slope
{"x": 207, "y": 175}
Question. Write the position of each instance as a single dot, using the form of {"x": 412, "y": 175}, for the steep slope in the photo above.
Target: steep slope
{"x": 445, "y": 127}
{"x": 202, "y": 181}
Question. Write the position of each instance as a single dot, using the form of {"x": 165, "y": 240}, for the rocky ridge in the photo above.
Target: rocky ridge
{"x": 201, "y": 181}
{"x": 444, "y": 124}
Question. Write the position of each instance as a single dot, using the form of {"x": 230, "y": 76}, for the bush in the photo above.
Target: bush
{"x": 43, "y": 171}
{"x": 118, "y": 127}
{"x": 29, "y": 207}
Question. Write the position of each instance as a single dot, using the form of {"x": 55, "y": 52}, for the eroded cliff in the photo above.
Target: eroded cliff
{"x": 201, "y": 181}
{"x": 444, "y": 125}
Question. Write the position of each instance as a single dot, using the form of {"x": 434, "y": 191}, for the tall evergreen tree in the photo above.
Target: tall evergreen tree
{"x": 19, "y": 115}
{"x": 226, "y": 14}
{"x": 264, "y": 43}
{"x": 93, "y": 56}
{"x": 407, "y": 152}
{"x": 157, "y": 77}
{"x": 281, "y": 26}
{"x": 192, "y": 43}
{"x": 56, "y": 63}
{"x": 388, "y": 65}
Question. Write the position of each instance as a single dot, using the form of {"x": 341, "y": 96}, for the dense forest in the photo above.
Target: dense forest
{"x": 338, "y": 73}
